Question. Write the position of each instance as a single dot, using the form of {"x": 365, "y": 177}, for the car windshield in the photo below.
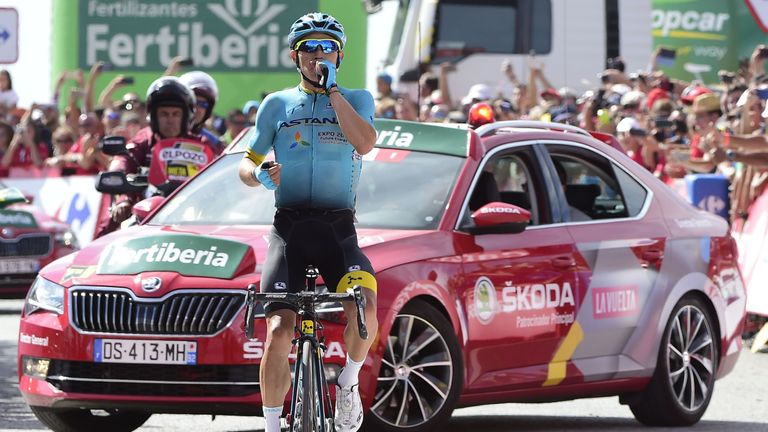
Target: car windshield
{"x": 398, "y": 189}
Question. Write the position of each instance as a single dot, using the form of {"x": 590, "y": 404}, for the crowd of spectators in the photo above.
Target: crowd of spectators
{"x": 669, "y": 126}
{"x": 42, "y": 136}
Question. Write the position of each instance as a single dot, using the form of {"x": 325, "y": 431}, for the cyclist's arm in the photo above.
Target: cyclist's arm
{"x": 357, "y": 128}
{"x": 259, "y": 146}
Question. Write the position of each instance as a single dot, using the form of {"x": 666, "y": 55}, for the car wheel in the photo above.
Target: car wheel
{"x": 78, "y": 420}
{"x": 421, "y": 373}
{"x": 682, "y": 385}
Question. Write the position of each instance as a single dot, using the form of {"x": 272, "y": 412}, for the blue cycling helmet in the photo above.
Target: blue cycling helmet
{"x": 316, "y": 22}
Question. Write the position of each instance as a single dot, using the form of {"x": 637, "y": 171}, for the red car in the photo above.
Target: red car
{"x": 517, "y": 262}
{"x": 29, "y": 240}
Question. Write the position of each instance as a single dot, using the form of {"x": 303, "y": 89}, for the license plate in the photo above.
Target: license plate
{"x": 16, "y": 266}
{"x": 144, "y": 351}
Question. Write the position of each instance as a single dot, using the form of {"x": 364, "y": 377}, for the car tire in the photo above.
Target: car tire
{"x": 430, "y": 373}
{"x": 682, "y": 384}
{"x": 79, "y": 420}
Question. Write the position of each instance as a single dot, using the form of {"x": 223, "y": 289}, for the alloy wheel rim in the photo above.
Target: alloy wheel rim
{"x": 416, "y": 374}
{"x": 691, "y": 358}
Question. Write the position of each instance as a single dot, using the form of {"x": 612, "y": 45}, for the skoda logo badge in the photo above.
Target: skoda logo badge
{"x": 151, "y": 284}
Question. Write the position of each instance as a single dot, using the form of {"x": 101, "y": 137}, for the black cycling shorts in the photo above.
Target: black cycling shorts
{"x": 324, "y": 238}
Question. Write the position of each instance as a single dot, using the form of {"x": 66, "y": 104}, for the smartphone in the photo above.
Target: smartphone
{"x": 666, "y": 57}
{"x": 637, "y": 132}
{"x": 763, "y": 53}
{"x": 726, "y": 77}
{"x": 127, "y": 80}
{"x": 662, "y": 123}
{"x": 187, "y": 62}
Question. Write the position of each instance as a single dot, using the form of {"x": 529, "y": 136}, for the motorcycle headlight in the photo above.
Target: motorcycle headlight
{"x": 67, "y": 238}
{"x": 44, "y": 295}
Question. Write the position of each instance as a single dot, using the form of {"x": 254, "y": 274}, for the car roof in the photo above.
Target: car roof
{"x": 497, "y": 133}
{"x": 443, "y": 138}
{"x": 457, "y": 139}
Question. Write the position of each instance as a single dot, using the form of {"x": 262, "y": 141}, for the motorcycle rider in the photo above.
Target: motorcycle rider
{"x": 171, "y": 107}
{"x": 206, "y": 95}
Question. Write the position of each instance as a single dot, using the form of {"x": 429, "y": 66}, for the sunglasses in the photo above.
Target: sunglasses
{"x": 310, "y": 45}
{"x": 203, "y": 104}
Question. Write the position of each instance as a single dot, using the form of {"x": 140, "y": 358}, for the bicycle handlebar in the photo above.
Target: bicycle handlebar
{"x": 354, "y": 294}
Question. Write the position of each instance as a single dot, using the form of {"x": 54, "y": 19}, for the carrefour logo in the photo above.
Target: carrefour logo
{"x": 187, "y": 255}
{"x": 147, "y": 34}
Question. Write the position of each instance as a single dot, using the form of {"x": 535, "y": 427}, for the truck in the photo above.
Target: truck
{"x": 572, "y": 39}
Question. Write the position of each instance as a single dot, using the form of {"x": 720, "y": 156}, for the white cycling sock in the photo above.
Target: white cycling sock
{"x": 348, "y": 376}
{"x": 272, "y": 417}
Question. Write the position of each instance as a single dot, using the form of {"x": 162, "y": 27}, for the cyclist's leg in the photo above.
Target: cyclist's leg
{"x": 343, "y": 266}
{"x": 277, "y": 276}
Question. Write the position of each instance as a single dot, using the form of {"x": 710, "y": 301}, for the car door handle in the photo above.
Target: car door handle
{"x": 652, "y": 255}
{"x": 564, "y": 262}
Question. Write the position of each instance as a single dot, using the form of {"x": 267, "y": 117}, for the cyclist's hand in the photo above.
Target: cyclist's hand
{"x": 270, "y": 178}
{"x": 326, "y": 74}
{"x": 121, "y": 211}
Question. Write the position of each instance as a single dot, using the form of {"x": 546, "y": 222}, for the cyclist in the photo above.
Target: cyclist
{"x": 206, "y": 95}
{"x": 318, "y": 132}
{"x": 171, "y": 107}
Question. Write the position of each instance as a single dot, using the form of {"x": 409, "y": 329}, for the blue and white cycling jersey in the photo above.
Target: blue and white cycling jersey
{"x": 320, "y": 168}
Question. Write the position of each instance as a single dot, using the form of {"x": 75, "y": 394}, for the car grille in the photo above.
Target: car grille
{"x": 154, "y": 380}
{"x": 26, "y": 245}
{"x": 180, "y": 313}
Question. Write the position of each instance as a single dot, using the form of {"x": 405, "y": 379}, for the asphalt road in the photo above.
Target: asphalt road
{"x": 740, "y": 403}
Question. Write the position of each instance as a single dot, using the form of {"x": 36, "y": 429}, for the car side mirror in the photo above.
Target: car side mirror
{"x": 144, "y": 207}
{"x": 115, "y": 183}
{"x": 499, "y": 218}
{"x": 112, "y": 145}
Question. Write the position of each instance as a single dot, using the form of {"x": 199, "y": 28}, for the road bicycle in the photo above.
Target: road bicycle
{"x": 311, "y": 406}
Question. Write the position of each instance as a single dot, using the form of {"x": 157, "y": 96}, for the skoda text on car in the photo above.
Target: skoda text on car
{"x": 29, "y": 240}
{"x": 515, "y": 262}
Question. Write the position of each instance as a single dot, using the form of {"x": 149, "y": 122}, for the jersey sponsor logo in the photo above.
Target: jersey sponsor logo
{"x": 614, "y": 302}
{"x": 331, "y": 137}
{"x": 394, "y": 138}
{"x": 181, "y": 154}
{"x": 485, "y": 300}
{"x": 296, "y": 108}
{"x": 298, "y": 141}
{"x": 308, "y": 121}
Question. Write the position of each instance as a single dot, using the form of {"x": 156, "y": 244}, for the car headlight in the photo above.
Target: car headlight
{"x": 67, "y": 238}
{"x": 44, "y": 295}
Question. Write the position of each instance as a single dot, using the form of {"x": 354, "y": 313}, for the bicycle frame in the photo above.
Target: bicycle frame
{"x": 309, "y": 381}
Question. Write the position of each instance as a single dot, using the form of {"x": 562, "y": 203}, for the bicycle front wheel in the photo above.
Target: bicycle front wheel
{"x": 308, "y": 393}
